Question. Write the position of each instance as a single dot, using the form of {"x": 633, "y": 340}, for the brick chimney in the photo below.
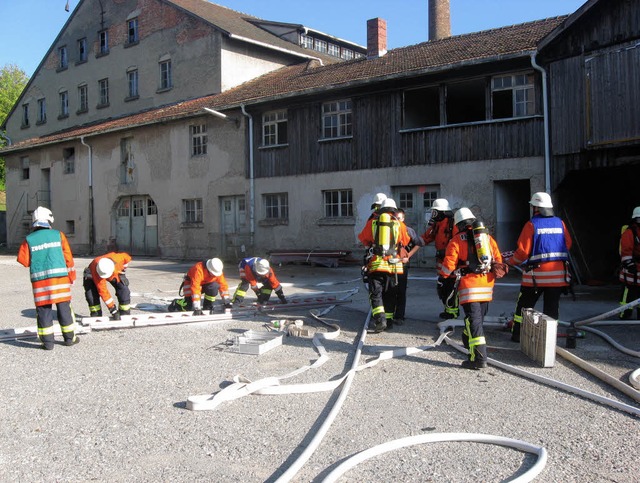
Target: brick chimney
{"x": 439, "y": 19}
{"x": 376, "y": 37}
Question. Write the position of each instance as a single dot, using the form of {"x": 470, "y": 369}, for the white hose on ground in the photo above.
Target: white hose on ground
{"x": 634, "y": 378}
{"x": 358, "y": 458}
{"x": 615, "y": 311}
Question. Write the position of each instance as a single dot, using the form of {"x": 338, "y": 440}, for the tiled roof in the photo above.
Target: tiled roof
{"x": 440, "y": 55}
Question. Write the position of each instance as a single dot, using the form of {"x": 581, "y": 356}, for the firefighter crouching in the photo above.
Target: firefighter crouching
{"x": 253, "y": 271}
{"x": 108, "y": 268}
{"x": 204, "y": 278}
{"x": 383, "y": 236}
{"x": 470, "y": 259}
{"x": 629, "y": 258}
{"x": 47, "y": 254}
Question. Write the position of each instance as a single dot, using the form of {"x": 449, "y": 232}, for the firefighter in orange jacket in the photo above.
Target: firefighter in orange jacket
{"x": 440, "y": 230}
{"x": 383, "y": 239}
{"x": 475, "y": 289}
{"x": 630, "y": 262}
{"x": 47, "y": 254}
{"x": 204, "y": 277}
{"x": 108, "y": 268}
{"x": 543, "y": 250}
{"x": 253, "y": 271}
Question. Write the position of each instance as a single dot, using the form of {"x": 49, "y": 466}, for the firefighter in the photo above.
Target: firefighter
{"x": 629, "y": 259}
{"x": 475, "y": 282}
{"x": 253, "y": 271}
{"x": 108, "y": 268}
{"x": 206, "y": 278}
{"x": 47, "y": 254}
{"x": 440, "y": 229}
{"x": 406, "y": 253}
{"x": 543, "y": 252}
{"x": 383, "y": 236}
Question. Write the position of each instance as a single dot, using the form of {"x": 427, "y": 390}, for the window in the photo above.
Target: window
{"x": 42, "y": 111}
{"x": 103, "y": 88}
{"x": 466, "y": 101}
{"x": 132, "y": 31}
{"x": 139, "y": 206}
{"x": 338, "y": 203}
{"x": 103, "y": 37}
{"x": 83, "y": 100}
{"x": 82, "y": 50}
{"x": 513, "y": 96}
{"x": 192, "y": 210}
{"x": 132, "y": 81}
{"x": 25, "y": 115}
{"x": 152, "y": 209}
{"x": 421, "y": 107}
{"x": 124, "y": 208}
{"x": 63, "y": 60}
{"x": 320, "y": 45}
{"x": 430, "y": 194}
{"x": 336, "y": 119}
{"x": 165, "y": 74}
{"x": 306, "y": 41}
{"x": 64, "y": 104}
{"x": 274, "y": 128}
{"x": 71, "y": 227}
{"x": 198, "y": 139}
{"x": 68, "y": 160}
{"x": 334, "y": 50}
{"x": 276, "y": 206}
{"x": 126, "y": 161}
{"x": 24, "y": 165}
{"x": 405, "y": 200}
{"x": 347, "y": 54}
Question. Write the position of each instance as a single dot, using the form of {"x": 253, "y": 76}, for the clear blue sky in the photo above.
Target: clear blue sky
{"x": 29, "y": 27}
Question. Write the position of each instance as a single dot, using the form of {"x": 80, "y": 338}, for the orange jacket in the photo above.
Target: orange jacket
{"x": 546, "y": 274}
{"x": 630, "y": 250}
{"x": 473, "y": 287}
{"x": 440, "y": 232}
{"x": 121, "y": 261}
{"x": 197, "y": 276}
{"x": 376, "y": 262}
{"x": 246, "y": 274}
{"x": 55, "y": 289}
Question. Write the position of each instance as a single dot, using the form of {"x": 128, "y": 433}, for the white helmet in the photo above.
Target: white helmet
{"x": 379, "y": 198}
{"x": 636, "y": 212}
{"x": 214, "y": 265}
{"x": 463, "y": 214}
{"x": 441, "y": 205}
{"x": 541, "y": 200}
{"x": 262, "y": 266}
{"x": 42, "y": 217}
{"x": 389, "y": 203}
{"x": 105, "y": 267}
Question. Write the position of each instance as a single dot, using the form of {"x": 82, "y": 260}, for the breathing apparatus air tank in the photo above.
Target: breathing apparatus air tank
{"x": 482, "y": 244}
{"x": 384, "y": 232}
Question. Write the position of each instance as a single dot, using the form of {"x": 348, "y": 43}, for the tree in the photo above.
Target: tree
{"x": 12, "y": 82}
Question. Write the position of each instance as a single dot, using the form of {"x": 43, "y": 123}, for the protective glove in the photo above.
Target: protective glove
{"x": 198, "y": 312}
{"x": 227, "y": 303}
{"x": 115, "y": 315}
{"x": 630, "y": 266}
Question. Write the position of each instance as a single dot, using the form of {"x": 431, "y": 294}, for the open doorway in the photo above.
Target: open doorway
{"x": 512, "y": 211}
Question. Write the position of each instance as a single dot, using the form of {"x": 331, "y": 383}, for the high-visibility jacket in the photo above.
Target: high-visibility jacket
{"x": 440, "y": 232}
{"x": 380, "y": 263}
{"x": 630, "y": 250}
{"x": 543, "y": 246}
{"x": 473, "y": 287}
{"x": 248, "y": 273}
{"x": 47, "y": 254}
{"x": 121, "y": 261}
{"x": 199, "y": 275}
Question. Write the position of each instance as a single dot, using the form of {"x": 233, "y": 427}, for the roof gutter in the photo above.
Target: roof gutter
{"x": 273, "y": 47}
{"x": 545, "y": 115}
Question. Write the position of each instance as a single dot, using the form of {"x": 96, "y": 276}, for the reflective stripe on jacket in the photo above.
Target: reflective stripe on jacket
{"x": 121, "y": 262}
{"x": 630, "y": 250}
{"x": 248, "y": 273}
{"x": 199, "y": 275}
{"x": 379, "y": 263}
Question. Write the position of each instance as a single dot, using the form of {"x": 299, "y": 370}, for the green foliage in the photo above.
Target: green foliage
{"x": 12, "y": 82}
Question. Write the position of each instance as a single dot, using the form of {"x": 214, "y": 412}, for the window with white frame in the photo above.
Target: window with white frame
{"x": 25, "y": 114}
{"x": 63, "y": 59}
{"x": 103, "y": 88}
{"x": 82, "y": 50}
{"x": 276, "y": 206}
{"x": 274, "y": 128}
{"x": 306, "y": 41}
{"x": 334, "y": 50}
{"x": 132, "y": 31}
{"x": 165, "y": 74}
{"x": 83, "y": 99}
{"x": 336, "y": 119}
{"x": 347, "y": 54}
{"x": 513, "y": 95}
{"x": 64, "y": 104}
{"x": 103, "y": 37}
{"x": 124, "y": 208}
{"x": 192, "y": 210}
{"x": 338, "y": 203}
{"x": 42, "y": 111}
{"x": 68, "y": 160}
{"x": 132, "y": 82}
{"x": 199, "y": 139}
{"x": 320, "y": 45}
{"x": 24, "y": 166}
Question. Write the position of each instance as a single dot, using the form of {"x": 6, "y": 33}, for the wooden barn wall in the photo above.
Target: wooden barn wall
{"x": 566, "y": 106}
{"x": 377, "y": 141}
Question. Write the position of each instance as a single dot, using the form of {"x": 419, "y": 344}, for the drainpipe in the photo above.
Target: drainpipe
{"x": 92, "y": 234}
{"x": 545, "y": 113}
{"x": 251, "y": 179}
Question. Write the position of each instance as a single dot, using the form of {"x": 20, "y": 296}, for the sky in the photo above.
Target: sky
{"x": 25, "y": 43}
